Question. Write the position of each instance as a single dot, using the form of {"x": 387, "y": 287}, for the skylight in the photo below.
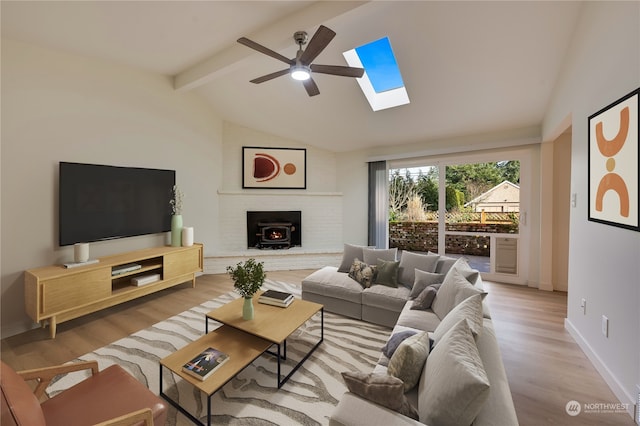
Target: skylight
{"x": 382, "y": 82}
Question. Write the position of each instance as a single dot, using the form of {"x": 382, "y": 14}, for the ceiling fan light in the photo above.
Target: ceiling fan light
{"x": 300, "y": 73}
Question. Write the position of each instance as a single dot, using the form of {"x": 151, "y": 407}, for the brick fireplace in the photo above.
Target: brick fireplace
{"x": 274, "y": 230}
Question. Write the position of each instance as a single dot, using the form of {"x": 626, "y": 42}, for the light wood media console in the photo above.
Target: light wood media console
{"x": 54, "y": 294}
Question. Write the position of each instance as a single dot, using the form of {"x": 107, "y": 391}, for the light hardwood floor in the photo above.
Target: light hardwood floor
{"x": 546, "y": 368}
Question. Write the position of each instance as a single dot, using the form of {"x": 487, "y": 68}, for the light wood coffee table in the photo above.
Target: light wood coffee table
{"x": 242, "y": 348}
{"x": 271, "y": 323}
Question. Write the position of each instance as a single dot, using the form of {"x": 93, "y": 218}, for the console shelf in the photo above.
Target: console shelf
{"x": 54, "y": 294}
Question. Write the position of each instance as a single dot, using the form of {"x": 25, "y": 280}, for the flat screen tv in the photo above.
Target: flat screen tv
{"x": 99, "y": 202}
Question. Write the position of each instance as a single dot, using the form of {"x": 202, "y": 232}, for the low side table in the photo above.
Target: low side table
{"x": 242, "y": 348}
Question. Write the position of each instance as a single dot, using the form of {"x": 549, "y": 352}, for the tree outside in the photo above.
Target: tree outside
{"x": 463, "y": 183}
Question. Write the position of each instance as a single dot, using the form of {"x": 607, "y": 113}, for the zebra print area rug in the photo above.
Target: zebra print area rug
{"x": 252, "y": 397}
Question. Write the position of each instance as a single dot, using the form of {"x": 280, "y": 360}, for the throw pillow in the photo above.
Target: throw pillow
{"x": 408, "y": 360}
{"x": 372, "y": 255}
{"x": 454, "y": 385}
{"x": 455, "y": 287}
{"x": 444, "y": 264}
{"x": 394, "y": 341}
{"x": 387, "y": 273}
{"x": 423, "y": 280}
{"x": 362, "y": 273}
{"x": 469, "y": 309}
{"x": 381, "y": 389}
{"x": 425, "y": 299}
{"x": 350, "y": 253}
{"x": 409, "y": 262}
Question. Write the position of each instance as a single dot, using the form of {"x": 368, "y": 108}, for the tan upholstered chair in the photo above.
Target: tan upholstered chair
{"x": 108, "y": 397}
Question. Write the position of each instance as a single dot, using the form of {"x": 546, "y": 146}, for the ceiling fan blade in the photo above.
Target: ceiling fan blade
{"x": 338, "y": 70}
{"x": 260, "y": 48}
{"x": 312, "y": 88}
{"x": 319, "y": 41}
{"x": 269, "y": 76}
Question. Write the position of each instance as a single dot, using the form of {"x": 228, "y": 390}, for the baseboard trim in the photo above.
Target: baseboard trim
{"x": 615, "y": 386}
{"x": 15, "y": 329}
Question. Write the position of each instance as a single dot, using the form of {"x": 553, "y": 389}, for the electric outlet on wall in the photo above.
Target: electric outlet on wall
{"x": 583, "y": 305}
{"x": 605, "y": 326}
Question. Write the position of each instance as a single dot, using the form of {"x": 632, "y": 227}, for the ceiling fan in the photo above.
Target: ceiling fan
{"x": 301, "y": 66}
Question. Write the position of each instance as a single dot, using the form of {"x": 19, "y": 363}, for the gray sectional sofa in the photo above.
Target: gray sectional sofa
{"x": 441, "y": 365}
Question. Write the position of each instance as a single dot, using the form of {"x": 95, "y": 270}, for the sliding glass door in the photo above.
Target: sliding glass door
{"x": 482, "y": 214}
{"x": 468, "y": 206}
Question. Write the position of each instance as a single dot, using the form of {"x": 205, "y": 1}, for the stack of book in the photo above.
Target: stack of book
{"x": 123, "y": 269}
{"x": 203, "y": 365}
{"x": 276, "y": 298}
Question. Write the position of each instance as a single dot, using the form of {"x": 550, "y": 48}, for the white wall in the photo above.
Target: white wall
{"x": 320, "y": 203}
{"x": 522, "y": 146}
{"x": 602, "y": 65}
{"x": 62, "y": 107}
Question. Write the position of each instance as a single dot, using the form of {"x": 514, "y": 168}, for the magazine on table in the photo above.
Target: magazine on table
{"x": 205, "y": 363}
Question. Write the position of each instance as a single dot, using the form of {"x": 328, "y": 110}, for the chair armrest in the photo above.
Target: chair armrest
{"x": 45, "y": 375}
{"x": 145, "y": 415}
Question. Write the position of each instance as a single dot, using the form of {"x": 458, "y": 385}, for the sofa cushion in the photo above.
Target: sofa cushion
{"x": 355, "y": 410}
{"x": 328, "y": 282}
{"x": 454, "y": 289}
{"x": 454, "y": 384}
{"x": 425, "y": 299}
{"x": 382, "y": 296}
{"x": 499, "y": 405}
{"x": 394, "y": 341}
{"x": 373, "y": 256}
{"x": 382, "y": 389}
{"x": 408, "y": 360}
{"x": 409, "y": 262}
{"x": 349, "y": 254}
{"x": 421, "y": 320}
{"x": 469, "y": 309}
{"x": 387, "y": 273}
{"x": 423, "y": 280}
{"x": 362, "y": 273}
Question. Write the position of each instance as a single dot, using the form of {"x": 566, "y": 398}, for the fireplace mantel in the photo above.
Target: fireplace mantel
{"x": 275, "y": 260}
{"x": 289, "y": 192}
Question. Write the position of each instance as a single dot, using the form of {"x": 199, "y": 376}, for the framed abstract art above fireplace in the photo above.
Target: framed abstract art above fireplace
{"x": 274, "y": 168}
{"x": 614, "y": 154}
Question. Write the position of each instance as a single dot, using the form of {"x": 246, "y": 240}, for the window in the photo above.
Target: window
{"x": 458, "y": 209}
{"x": 382, "y": 82}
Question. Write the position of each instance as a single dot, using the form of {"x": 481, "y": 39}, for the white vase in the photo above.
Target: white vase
{"x": 81, "y": 252}
{"x": 187, "y": 236}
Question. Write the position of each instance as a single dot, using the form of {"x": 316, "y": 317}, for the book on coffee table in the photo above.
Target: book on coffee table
{"x": 205, "y": 363}
{"x": 276, "y": 298}
{"x": 275, "y": 302}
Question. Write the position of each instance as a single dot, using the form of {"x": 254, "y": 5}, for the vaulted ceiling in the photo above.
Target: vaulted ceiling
{"x": 469, "y": 67}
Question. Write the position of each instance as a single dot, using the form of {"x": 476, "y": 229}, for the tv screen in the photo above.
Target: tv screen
{"x": 99, "y": 202}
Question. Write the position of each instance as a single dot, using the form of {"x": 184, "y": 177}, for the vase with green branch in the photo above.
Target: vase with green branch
{"x": 176, "y": 218}
{"x": 247, "y": 277}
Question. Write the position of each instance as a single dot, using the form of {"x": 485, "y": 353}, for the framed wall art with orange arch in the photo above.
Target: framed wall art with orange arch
{"x": 613, "y": 153}
{"x": 274, "y": 168}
